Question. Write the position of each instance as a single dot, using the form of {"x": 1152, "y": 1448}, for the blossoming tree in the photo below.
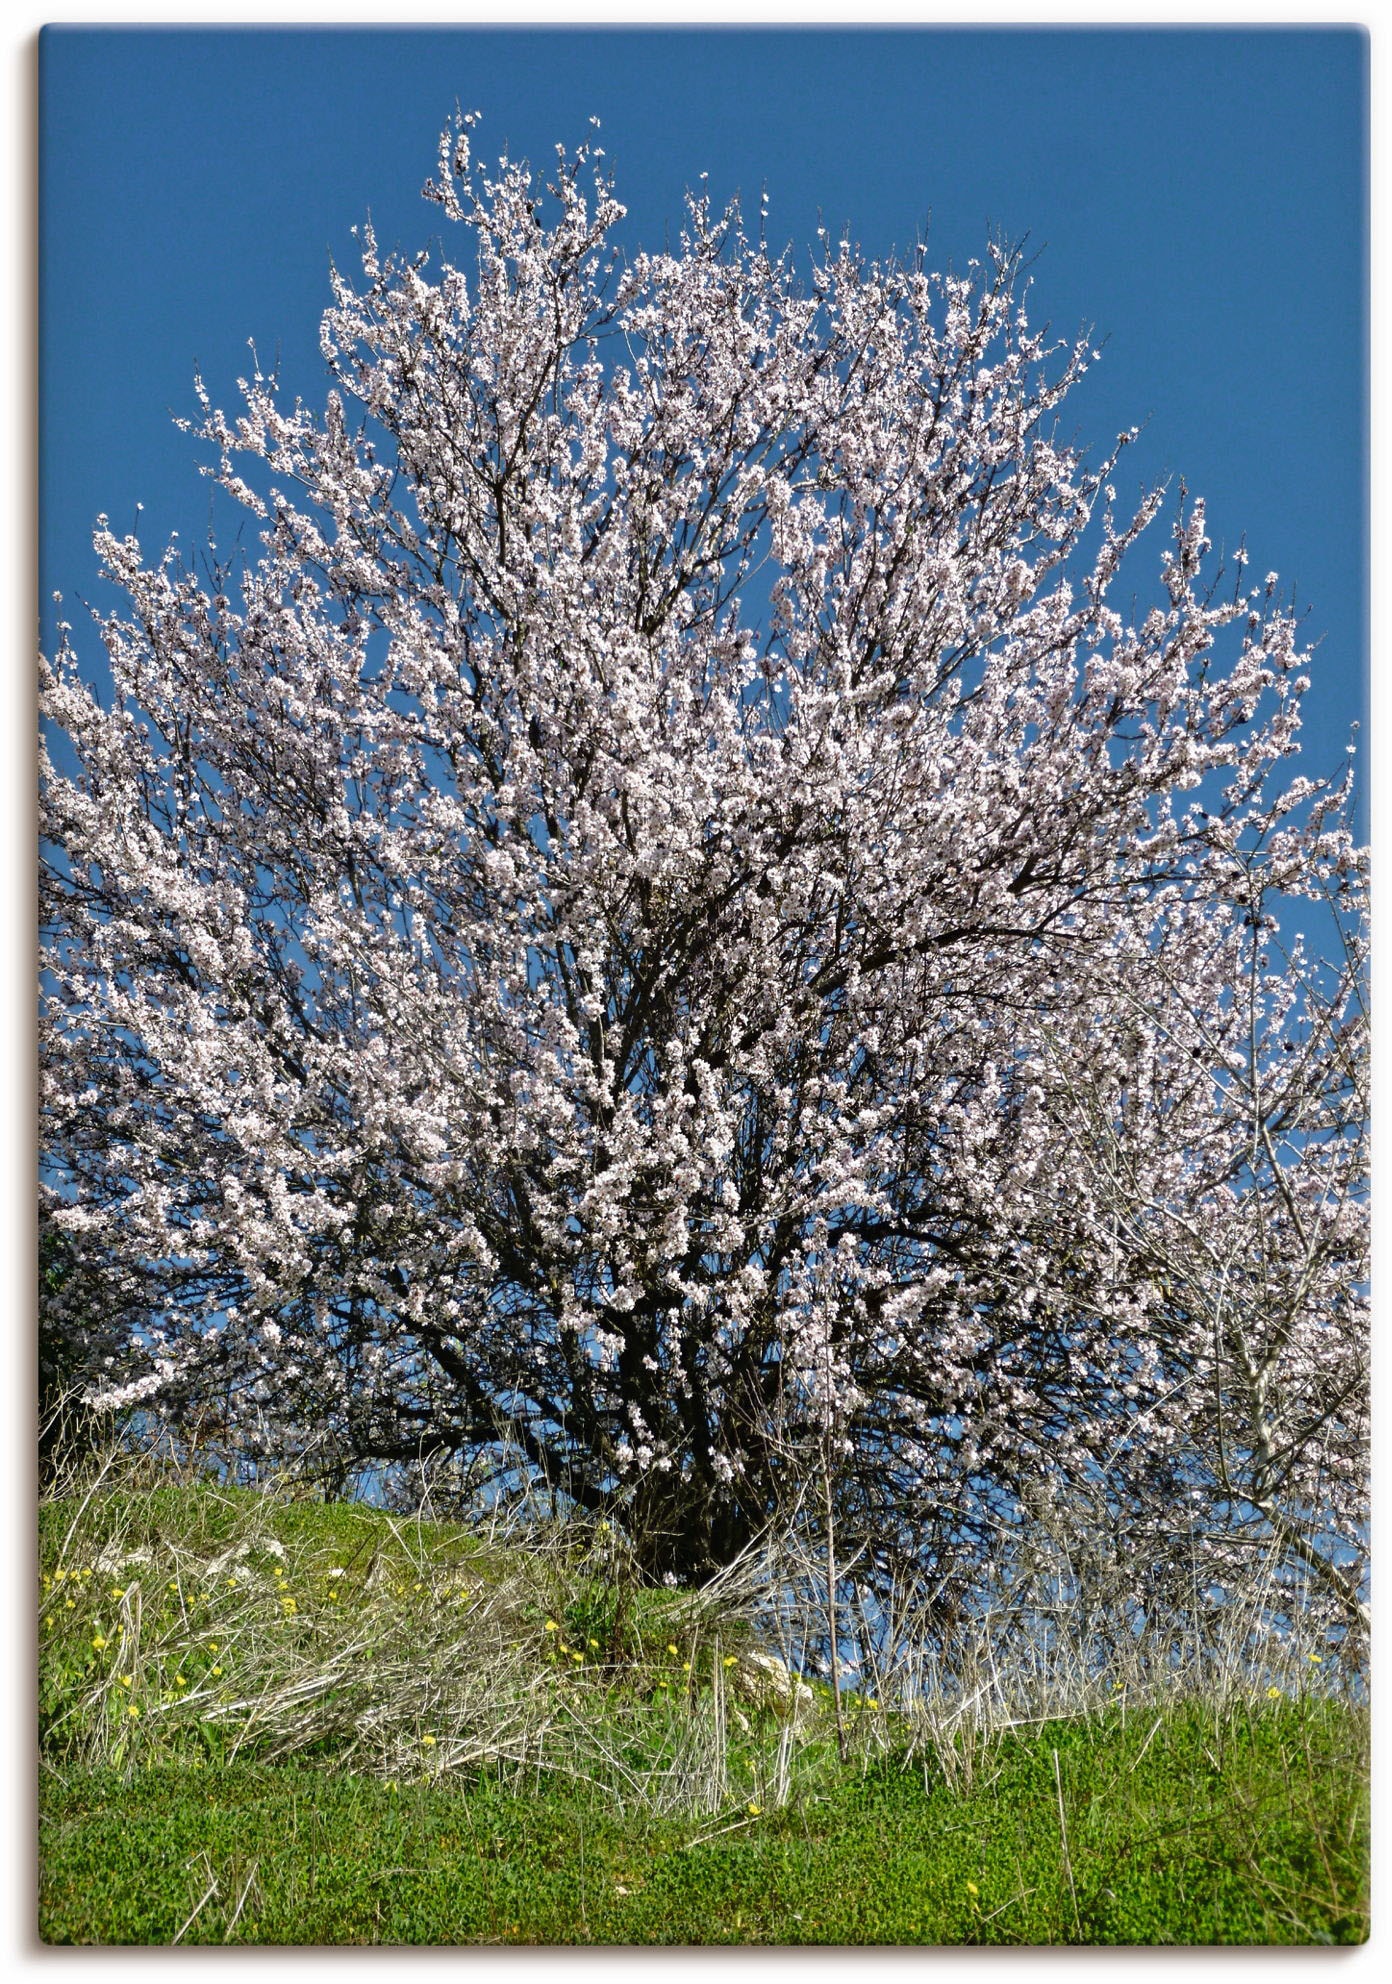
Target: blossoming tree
{"x": 669, "y": 926}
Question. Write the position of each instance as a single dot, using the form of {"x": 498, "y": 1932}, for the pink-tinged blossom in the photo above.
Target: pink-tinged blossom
{"x": 680, "y": 920}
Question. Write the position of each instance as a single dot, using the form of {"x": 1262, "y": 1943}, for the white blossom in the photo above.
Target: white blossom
{"x": 681, "y": 915}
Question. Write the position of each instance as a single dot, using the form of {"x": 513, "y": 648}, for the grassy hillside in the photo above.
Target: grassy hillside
{"x": 271, "y": 1721}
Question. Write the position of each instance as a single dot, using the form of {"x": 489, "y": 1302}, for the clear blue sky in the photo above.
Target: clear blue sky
{"x": 1196, "y": 196}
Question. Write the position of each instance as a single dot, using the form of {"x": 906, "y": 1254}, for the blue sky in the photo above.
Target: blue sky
{"x": 1196, "y": 196}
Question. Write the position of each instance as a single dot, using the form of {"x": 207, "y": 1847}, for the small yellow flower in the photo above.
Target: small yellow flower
{"x": 972, "y": 1888}
{"x": 577, "y": 1658}
{"x": 179, "y": 1681}
{"x": 173, "y": 1584}
{"x": 1273, "y": 1694}
{"x": 873, "y": 1702}
{"x": 427, "y": 1741}
{"x": 1318, "y": 1659}
{"x": 671, "y": 1649}
{"x": 754, "y": 1809}
{"x": 278, "y": 1572}
{"x": 231, "y": 1584}
{"x": 730, "y": 1659}
{"x": 217, "y": 1673}
{"x": 68, "y": 1604}
{"x": 595, "y": 1645}
{"x": 127, "y": 1680}
{"x": 212, "y": 1646}
{"x": 60, "y": 1576}
{"x": 134, "y": 1709}
{"x": 551, "y": 1626}
{"x": 686, "y": 1667}
{"x": 99, "y": 1644}
{"x": 118, "y": 1591}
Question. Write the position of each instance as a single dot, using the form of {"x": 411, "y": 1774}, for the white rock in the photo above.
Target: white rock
{"x": 763, "y": 1681}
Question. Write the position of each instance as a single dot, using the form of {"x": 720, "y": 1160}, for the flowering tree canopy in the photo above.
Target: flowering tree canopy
{"x": 677, "y": 923}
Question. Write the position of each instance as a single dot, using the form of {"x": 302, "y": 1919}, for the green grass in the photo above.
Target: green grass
{"x": 1248, "y": 1827}
{"x": 275, "y": 1721}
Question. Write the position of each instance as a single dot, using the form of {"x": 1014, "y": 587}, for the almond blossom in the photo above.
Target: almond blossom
{"x": 682, "y": 910}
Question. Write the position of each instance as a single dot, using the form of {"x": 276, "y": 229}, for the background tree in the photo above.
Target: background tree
{"x": 581, "y": 949}
{"x": 1223, "y": 1132}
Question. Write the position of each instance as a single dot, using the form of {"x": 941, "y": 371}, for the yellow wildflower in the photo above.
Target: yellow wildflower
{"x": 99, "y": 1644}
{"x": 754, "y": 1809}
{"x": 134, "y": 1709}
